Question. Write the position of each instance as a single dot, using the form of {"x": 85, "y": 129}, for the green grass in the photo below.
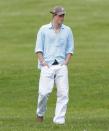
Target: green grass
{"x": 88, "y": 108}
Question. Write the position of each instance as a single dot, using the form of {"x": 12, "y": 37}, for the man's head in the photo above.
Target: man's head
{"x": 58, "y": 14}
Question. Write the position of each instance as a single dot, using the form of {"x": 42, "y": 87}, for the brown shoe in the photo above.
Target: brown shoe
{"x": 39, "y": 119}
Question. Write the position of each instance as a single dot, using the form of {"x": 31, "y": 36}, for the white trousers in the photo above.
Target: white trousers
{"x": 55, "y": 74}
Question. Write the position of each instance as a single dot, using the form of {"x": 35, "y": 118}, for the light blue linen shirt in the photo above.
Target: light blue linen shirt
{"x": 54, "y": 45}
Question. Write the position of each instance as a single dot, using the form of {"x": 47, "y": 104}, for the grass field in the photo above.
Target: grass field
{"x": 88, "y": 108}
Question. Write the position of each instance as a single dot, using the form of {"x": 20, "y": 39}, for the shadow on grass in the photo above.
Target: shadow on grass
{"x": 83, "y": 124}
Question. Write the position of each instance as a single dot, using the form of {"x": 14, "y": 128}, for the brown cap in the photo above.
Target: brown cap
{"x": 58, "y": 10}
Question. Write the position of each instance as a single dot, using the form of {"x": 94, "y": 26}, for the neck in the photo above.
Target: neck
{"x": 56, "y": 25}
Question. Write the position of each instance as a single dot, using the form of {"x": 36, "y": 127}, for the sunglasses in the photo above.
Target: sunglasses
{"x": 61, "y": 15}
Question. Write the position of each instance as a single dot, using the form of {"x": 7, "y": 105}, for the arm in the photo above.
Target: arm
{"x": 68, "y": 57}
{"x": 41, "y": 58}
{"x": 69, "y": 48}
{"x": 40, "y": 47}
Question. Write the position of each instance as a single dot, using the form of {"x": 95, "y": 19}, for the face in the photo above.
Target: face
{"x": 59, "y": 19}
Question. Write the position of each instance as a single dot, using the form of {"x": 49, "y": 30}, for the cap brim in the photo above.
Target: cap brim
{"x": 61, "y": 13}
{"x": 52, "y": 12}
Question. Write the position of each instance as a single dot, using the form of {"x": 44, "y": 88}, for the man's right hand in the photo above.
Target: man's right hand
{"x": 44, "y": 64}
{"x": 41, "y": 59}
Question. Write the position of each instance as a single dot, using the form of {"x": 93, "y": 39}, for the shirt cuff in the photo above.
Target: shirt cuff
{"x": 38, "y": 50}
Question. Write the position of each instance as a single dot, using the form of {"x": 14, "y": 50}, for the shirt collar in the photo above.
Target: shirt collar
{"x": 51, "y": 26}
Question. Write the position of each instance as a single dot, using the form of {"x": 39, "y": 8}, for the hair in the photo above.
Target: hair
{"x": 53, "y": 15}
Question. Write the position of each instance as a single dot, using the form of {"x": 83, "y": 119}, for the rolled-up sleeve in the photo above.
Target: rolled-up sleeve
{"x": 39, "y": 41}
{"x": 70, "y": 43}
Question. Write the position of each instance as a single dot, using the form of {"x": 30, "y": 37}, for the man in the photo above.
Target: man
{"x": 54, "y": 48}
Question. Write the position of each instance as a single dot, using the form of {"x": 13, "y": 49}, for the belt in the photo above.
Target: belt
{"x": 55, "y": 62}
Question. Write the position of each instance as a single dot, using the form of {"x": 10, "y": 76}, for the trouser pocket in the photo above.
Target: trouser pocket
{"x": 47, "y": 72}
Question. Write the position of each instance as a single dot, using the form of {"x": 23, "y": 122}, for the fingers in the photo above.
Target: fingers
{"x": 64, "y": 64}
{"x": 45, "y": 64}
